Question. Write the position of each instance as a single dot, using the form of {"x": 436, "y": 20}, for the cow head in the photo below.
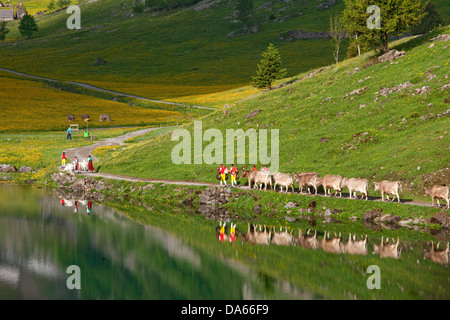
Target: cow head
{"x": 376, "y": 186}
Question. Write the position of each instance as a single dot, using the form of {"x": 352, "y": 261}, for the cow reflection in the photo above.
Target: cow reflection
{"x": 386, "y": 249}
{"x": 440, "y": 257}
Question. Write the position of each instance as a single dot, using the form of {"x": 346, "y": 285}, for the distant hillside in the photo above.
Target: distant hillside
{"x": 175, "y": 53}
{"x": 360, "y": 118}
{"x": 184, "y": 51}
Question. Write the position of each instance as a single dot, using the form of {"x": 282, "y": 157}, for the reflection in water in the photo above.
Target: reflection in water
{"x": 76, "y": 204}
{"x": 386, "y": 249}
{"x": 437, "y": 256}
{"x": 118, "y": 258}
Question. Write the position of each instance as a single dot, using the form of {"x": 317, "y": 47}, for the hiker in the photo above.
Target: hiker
{"x": 69, "y": 134}
{"x": 75, "y": 207}
{"x": 234, "y": 172}
{"x": 63, "y": 159}
{"x": 222, "y": 171}
{"x": 265, "y": 168}
{"x": 254, "y": 168}
{"x": 90, "y": 164}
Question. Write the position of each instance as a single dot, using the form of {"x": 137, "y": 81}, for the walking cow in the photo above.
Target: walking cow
{"x": 438, "y": 192}
{"x": 389, "y": 187}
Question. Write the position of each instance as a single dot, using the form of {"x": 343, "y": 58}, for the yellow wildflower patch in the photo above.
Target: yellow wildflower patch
{"x": 33, "y": 106}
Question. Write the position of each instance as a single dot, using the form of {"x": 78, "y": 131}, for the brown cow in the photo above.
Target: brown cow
{"x": 356, "y": 185}
{"x": 332, "y": 182}
{"x": 250, "y": 175}
{"x": 263, "y": 177}
{"x": 332, "y": 245}
{"x": 438, "y": 192}
{"x": 389, "y": 187}
{"x": 307, "y": 241}
{"x": 387, "y": 250}
{"x": 437, "y": 256}
{"x": 282, "y": 238}
{"x": 307, "y": 179}
{"x": 355, "y": 246}
{"x": 283, "y": 179}
{"x": 261, "y": 237}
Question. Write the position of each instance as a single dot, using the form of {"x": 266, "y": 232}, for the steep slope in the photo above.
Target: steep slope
{"x": 359, "y": 118}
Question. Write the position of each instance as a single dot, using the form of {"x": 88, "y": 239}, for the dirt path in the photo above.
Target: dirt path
{"x": 91, "y": 87}
{"x": 243, "y": 187}
{"x": 84, "y": 152}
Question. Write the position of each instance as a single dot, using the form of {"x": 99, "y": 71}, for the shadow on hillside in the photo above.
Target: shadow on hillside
{"x": 418, "y": 40}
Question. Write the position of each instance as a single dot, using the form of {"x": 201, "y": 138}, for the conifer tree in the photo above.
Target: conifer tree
{"x": 28, "y": 26}
{"x": 269, "y": 69}
{"x": 395, "y": 17}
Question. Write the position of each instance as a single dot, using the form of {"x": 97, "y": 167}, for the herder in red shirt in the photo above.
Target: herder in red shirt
{"x": 234, "y": 172}
{"x": 223, "y": 175}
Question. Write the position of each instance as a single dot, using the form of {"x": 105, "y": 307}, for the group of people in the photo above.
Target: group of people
{"x": 77, "y": 163}
{"x": 222, "y": 170}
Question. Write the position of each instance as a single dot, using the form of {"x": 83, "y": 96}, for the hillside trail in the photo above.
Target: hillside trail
{"x": 91, "y": 87}
{"x": 84, "y": 152}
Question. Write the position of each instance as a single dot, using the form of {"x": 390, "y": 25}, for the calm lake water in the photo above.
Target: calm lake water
{"x": 118, "y": 258}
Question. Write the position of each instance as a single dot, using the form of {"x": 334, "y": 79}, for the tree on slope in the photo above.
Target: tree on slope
{"x": 337, "y": 33}
{"x": 269, "y": 69}
{"x": 28, "y": 26}
{"x": 3, "y": 31}
{"x": 395, "y": 17}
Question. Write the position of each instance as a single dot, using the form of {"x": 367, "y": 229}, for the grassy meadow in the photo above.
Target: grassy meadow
{"x": 170, "y": 55}
{"x": 35, "y": 106}
{"x": 43, "y": 149}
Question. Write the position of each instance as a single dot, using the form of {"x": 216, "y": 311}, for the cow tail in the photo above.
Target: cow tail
{"x": 401, "y": 189}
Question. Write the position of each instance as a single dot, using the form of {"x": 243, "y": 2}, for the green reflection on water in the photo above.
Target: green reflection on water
{"x": 118, "y": 257}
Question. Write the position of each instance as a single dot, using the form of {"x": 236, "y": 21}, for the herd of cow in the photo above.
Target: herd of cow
{"x": 261, "y": 235}
{"x": 258, "y": 178}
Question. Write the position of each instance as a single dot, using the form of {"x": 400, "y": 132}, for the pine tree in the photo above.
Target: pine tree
{"x": 3, "y": 31}
{"x": 28, "y": 26}
{"x": 51, "y": 5}
{"x": 269, "y": 69}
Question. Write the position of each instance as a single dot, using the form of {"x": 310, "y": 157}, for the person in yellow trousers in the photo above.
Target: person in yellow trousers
{"x": 63, "y": 159}
{"x": 234, "y": 172}
{"x": 223, "y": 175}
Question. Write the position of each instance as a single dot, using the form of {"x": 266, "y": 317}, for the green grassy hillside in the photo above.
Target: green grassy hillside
{"x": 182, "y": 52}
{"x": 169, "y": 54}
{"x": 323, "y": 127}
